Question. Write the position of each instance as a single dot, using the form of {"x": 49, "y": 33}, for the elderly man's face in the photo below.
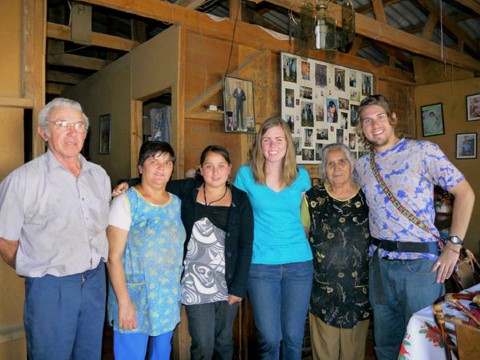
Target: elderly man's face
{"x": 64, "y": 142}
{"x": 338, "y": 168}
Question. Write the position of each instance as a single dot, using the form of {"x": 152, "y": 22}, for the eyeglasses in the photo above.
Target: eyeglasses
{"x": 66, "y": 125}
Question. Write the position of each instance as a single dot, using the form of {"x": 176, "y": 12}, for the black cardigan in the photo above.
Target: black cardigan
{"x": 239, "y": 236}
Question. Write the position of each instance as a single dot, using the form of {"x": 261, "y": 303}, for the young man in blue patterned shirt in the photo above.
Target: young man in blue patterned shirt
{"x": 407, "y": 271}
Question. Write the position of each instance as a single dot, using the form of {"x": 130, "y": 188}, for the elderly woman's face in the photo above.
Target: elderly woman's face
{"x": 338, "y": 168}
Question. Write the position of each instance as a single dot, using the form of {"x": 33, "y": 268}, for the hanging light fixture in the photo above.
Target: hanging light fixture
{"x": 316, "y": 29}
{"x": 325, "y": 28}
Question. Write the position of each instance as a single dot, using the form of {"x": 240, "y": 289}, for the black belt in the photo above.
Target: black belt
{"x": 403, "y": 246}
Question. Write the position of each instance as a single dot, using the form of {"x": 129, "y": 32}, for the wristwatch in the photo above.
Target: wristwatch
{"x": 455, "y": 240}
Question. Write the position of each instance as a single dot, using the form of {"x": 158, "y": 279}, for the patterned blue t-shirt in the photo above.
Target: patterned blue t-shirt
{"x": 410, "y": 169}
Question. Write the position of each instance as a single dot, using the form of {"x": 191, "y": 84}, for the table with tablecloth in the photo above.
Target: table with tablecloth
{"x": 423, "y": 339}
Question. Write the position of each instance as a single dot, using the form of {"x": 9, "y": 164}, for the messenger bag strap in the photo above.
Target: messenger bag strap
{"x": 411, "y": 217}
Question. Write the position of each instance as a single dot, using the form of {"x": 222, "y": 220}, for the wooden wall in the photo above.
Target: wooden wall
{"x": 452, "y": 95}
{"x": 16, "y": 66}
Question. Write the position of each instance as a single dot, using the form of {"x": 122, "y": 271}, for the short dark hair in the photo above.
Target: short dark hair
{"x": 151, "y": 148}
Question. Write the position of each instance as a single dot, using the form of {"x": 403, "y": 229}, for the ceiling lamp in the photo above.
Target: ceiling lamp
{"x": 316, "y": 29}
{"x": 324, "y": 28}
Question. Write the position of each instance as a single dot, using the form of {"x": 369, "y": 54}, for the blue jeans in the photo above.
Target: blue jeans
{"x": 398, "y": 288}
{"x": 133, "y": 346}
{"x": 211, "y": 329}
{"x": 280, "y": 295}
{"x": 64, "y": 316}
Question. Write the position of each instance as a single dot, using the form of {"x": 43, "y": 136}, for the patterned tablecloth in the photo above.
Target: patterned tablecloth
{"x": 422, "y": 339}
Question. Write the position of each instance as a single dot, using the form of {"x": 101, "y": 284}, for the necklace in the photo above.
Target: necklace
{"x": 214, "y": 201}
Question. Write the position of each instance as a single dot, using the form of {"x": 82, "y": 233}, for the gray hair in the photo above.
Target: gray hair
{"x": 44, "y": 114}
{"x": 331, "y": 147}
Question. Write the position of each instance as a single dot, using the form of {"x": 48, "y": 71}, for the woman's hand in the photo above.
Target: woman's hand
{"x": 120, "y": 189}
{"x": 232, "y": 299}
{"x": 127, "y": 317}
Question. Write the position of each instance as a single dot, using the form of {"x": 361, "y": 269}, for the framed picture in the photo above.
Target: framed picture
{"x": 466, "y": 146}
{"x": 105, "y": 134}
{"x": 473, "y": 107}
{"x": 238, "y": 105}
{"x": 432, "y": 120}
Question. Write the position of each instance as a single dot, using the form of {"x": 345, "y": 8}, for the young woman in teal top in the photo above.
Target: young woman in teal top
{"x": 280, "y": 278}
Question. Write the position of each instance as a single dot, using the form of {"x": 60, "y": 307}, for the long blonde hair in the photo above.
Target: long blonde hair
{"x": 257, "y": 159}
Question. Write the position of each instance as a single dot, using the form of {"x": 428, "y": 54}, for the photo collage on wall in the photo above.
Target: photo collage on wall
{"x": 320, "y": 104}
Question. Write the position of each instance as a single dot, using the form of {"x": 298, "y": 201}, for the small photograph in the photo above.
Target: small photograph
{"x": 344, "y": 119}
{"x": 340, "y": 79}
{"x": 296, "y": 143}
{"x": 231, "y": 122}
{"x": 332, "y": 112}
{"x": 307, "y": 114}
{"x": 318, "y": 151}
{"x": 352, "y": 79}
{"x": 319, "y": 112}
{"x": 320, "y": 75}
{"x": 322, "y": 134}
{"x": 352, "y": 141}
{"x": 290, "y": 69}
{"x": 308, "y": 138}
{"x": 306, "y": 92}
{"x": 355, "y": 95}
{"x": 473, "y": 107}
{"x": 466, "y": 146}
{"x": 307, "y": 154}
{"x": 290, "y": 120}
{"x": 353, "y": 115}
{"x": 305, "y": 70}
{"x": 366, "y": 85}
{"x": 343, "y": 103}
{"x": 339, "y": 136}
{"x": 289, "y": 98}
{"x": 432, "y": 120}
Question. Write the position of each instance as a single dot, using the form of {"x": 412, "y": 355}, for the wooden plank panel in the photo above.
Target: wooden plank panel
{"x": 62, "y": 32}
{"x": 77, "y": 61}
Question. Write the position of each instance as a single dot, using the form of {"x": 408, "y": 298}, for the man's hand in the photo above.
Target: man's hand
{"x": 120, "y": 189}
{"x": 445, "y": 264}
{"x": 8, "y": 251}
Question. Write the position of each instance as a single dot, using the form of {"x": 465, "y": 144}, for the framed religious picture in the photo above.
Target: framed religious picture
{"x": 466, "y": 146}
{"x": 432, "y": 120}
{"x": 473, "y": 107}
{"x": 238, "y": 105}
{"x": 105, "y": 134}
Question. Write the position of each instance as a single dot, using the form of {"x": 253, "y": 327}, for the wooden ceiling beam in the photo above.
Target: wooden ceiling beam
{"x": 63, "y": 32}
{"x": 379, "y": 11}
{"x": 64, "y": 77}
{"x": 381, "y": 32}
{"x": 77, "y": 61}
{"x": 429, "y": 27}
{"x": 250, "y": 34}
{"x": 190, "y": 4}
{"x": 56, "y": 89}
{"x": 456, "y": 30}
{"x": 471, "y": 4}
